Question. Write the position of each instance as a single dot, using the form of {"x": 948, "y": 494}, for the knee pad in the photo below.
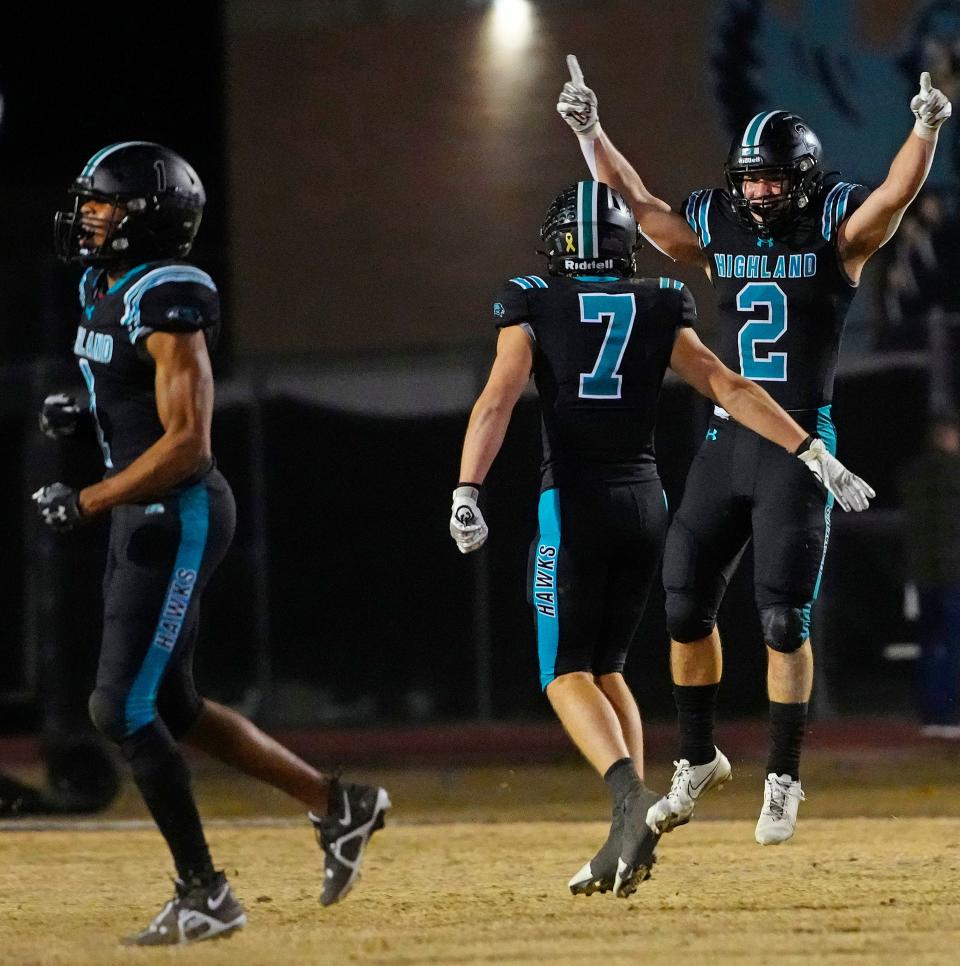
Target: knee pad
{"x": 687, "y": 619}
{"x": 783, "y": 627}
{"x": 108, "y": 714}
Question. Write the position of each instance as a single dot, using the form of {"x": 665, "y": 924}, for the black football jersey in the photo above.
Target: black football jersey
{"x": 601, "y": 348}
{"x": 119, "y": 372}
{"x": 782, "y": 300}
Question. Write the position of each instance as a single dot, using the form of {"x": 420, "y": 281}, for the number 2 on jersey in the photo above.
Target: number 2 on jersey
{"x": 773, "y": 366}
{"x": 618, "y": 312}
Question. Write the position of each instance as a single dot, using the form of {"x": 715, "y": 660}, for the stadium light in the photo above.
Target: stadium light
{"x": 511, "y": 23}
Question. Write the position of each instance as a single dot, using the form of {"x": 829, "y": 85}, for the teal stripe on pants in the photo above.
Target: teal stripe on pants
{"x": 828, "y": 433}
{"x": 543, "y": 593}
{"x": 141, "y": 704}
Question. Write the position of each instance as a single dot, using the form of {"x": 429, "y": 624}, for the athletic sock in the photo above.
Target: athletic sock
{"x": 696, "y": 706}
{"x": 788, "y": 724}
{"x": 621, "y": 777}
{"x": 164, "y": 782}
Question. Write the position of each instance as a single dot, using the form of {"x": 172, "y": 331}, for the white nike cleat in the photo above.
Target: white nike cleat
{"x": 778, "y": 817}
{"x": 688, "y": 784}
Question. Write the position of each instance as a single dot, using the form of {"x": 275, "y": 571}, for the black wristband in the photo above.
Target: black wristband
{"x": 477, "y": 486}
{"x": 804, "y": 446}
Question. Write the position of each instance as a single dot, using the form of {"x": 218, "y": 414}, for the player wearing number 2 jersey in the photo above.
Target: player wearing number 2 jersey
{"x": 784, "y": 246}
{"x": 598, "y": 342}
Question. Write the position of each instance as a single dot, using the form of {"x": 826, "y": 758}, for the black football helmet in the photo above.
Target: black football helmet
{"x": 776, "y": 145}
{"x": 590, "y": 230}
{"x": 157, "y": 194}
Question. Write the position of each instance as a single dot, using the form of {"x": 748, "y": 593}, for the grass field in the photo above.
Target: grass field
{"x": 473, "y": 864}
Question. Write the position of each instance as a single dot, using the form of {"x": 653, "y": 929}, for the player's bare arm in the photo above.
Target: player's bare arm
{"x": 875, "y": 222}
{"x": 491, "y": 413}
{"x": 746, "y": 401}
{"x": 667, "y": 229}
{"x": 753, "y": 407}
{"x": 184, "y": 393}
{"x": 488, "y": 424}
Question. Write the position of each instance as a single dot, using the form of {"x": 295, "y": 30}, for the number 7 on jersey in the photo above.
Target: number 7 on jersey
{"x": 617, "y": 311}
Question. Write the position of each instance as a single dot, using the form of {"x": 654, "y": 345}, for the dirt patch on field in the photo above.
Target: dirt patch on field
{"x": 473, "y": 866}
{"x": 845, "y": 890}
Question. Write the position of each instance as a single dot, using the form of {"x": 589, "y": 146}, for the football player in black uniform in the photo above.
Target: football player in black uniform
{"x": 598, "y": 342}
{"x": 784, "y": 244}
{"x": 148, "y": 320}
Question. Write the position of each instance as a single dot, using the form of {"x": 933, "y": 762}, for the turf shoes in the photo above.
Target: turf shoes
{"x": 688, "y": 784}
{"x": 778, "y": 817}
{"x": 356, "y": 812}
{"x": 195, "y": 912}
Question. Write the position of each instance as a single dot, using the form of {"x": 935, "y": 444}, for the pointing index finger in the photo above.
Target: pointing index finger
{"x": 576, "y": 75}
{"x": 925, "y": 85}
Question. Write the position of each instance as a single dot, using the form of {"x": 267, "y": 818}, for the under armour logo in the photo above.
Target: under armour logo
{"x": 712, "y": 434}
{"x": 764, "y": 241}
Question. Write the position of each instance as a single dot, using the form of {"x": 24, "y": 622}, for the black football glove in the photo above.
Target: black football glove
{"x": 59, "y": 506}
{"x": 59, "y": 415}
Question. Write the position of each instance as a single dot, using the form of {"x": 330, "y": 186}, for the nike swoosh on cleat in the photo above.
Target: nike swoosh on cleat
{"x": 215, "y": 903}
{"x": 707, "y": 777}
{"x": 346, "y": 810}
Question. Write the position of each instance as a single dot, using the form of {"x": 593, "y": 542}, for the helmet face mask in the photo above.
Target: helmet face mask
{"x": 775, "y": 146}
{"x": 156, "y": 201}
{"x": 590, "y": 230}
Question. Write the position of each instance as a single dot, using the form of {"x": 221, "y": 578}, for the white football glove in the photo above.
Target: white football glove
{"x": 931, "y": 108}
{"x": 577, "y": 104}
{"x": 466, "y": 521}
{"x": 850, "y": 491}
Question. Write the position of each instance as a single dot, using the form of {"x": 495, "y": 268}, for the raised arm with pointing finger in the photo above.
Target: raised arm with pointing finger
{"x": 666, "y": 229}
{"x": 784, "y": 243}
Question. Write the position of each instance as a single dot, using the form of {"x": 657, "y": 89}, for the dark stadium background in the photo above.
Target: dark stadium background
{"x": 374, "y": 170}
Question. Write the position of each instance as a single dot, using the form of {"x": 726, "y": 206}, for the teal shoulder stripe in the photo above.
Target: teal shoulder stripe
{"x": 704, "y": 219}
{"x": 159, "y": 276}
{"x": 691, "y": 209}
{"x": 522, "y": 282}
{"x": 83, "y": 287}
{"x": 537, "y": 280}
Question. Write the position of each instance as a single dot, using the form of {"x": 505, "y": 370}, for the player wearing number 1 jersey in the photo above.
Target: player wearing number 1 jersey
{"x": 598, "y": 342}
{"x": 784, "y": 245}
{"x": 142, "y": 346}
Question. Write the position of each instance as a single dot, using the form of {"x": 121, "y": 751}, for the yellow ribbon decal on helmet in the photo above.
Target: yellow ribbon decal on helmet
{"x": 568, "y": 238}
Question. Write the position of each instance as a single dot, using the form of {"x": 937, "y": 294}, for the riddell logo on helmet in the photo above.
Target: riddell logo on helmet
{"x": 571, "y": 265}
{"x": 752, "y": 159}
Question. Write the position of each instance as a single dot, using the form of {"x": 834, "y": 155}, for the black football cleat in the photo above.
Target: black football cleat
{"x": 356, "y": 812}
{"x": 637, "y": 853}
{"x": 196, "y": 912}
{"x": 599, "y": 874}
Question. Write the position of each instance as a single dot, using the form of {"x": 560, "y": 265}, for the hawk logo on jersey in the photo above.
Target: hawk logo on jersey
{"x": 499, "y": 311}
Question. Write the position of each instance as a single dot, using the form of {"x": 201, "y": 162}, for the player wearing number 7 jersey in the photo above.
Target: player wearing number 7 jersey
{"x": 784, "y": 245}
{"x": 598, "y": 342}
